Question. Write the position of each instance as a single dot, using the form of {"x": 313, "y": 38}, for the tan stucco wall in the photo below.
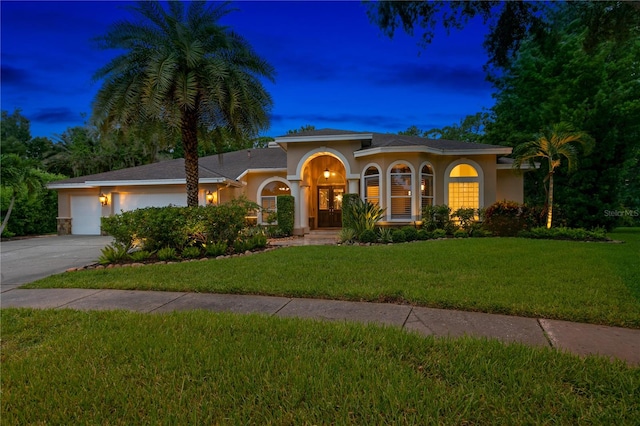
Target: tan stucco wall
{"x": 510, "y": 186}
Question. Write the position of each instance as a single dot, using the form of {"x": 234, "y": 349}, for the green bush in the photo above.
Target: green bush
{"x": 216, "y": 249}
{"x": 140, "y": 255}
{"x": 113, "y": 253}
{"x": 562, "y": 233}
{"x": 423, "y": 235}
{"x": 397, "y": 236}
{"x": 347, "y": 217}
{"x": 363, "y": 215}
{"x": 368, "y": 236}
{"x": 438, "y": 217}
{"x": 190, "y": 252}
{"x": 385, "y": 235}
{"x": 347, "y": 235}
{"x": 286, "y": 213}
{"x": 167, "y": 253}
{"x": 460, "y": 233}
{"x": 438, "y": 233}
{"x": 410, "y": 233}
{"x": 466, "y": 219}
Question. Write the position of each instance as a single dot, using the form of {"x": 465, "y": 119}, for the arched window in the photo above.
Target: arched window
{"x": 400, "y": 189}
{"x": 268, "y": 197}
{"x": 426, "y": 186}
{"x": 372, "y": 185}
{"x": 463, "y": 187}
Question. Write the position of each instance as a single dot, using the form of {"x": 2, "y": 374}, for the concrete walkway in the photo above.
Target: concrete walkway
{"x": 580, "y": 339}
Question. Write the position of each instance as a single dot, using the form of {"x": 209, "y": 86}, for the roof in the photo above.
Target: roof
{"x": 230, "y": 167}
{"x": 389, "y": 142}
{"x": 224, "y": 168}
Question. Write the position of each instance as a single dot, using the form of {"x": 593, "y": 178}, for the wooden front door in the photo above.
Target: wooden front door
{"x": 330, "y": 206}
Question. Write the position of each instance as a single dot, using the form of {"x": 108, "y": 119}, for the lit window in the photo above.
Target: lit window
{"x": 464, "y": 188}
{"x": 372, "y": 185}
{"x": 426, "y": 186}
{"x": 401, "y": 183}
{"x": 269, "y": 195}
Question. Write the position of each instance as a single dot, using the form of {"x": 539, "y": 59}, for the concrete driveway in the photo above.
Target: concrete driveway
{"x": 26, "y": 260}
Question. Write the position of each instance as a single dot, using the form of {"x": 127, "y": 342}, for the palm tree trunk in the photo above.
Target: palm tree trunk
{"x": 189, "y": 130}
{"x": 550, "y": 207}
{"x": 6, "y": 217}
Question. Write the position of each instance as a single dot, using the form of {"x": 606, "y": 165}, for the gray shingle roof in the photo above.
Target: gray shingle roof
{"x": 229, "y": 165}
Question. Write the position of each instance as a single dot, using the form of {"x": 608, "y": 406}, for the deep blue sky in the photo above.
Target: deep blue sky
{"x": 334, "y": 68}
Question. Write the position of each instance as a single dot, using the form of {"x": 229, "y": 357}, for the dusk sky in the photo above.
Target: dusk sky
{"x": 334, "y": 68}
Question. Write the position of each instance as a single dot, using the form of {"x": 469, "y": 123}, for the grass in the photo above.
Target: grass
{"x": 73, "y": 367}
{"x": 586, "y": 282}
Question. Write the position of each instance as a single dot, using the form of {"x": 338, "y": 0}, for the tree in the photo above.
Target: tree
{"x": 568, "y": 75}
{"x": 183, "y": 69}
{"x": 510, "y": 22}
{"x": 305, "y": 128}
{"x": 470, "y": 129}
{"x": 16, "y": 175}
{"x": 553, "y": 144}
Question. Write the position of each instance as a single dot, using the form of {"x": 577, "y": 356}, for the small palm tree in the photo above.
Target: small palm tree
{"x": 553, "y": 143}
{"x": 186, "y": 71}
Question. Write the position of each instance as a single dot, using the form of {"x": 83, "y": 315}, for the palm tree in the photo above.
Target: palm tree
{"x": 183, "y": 69}
{"x": 553, "y": 143}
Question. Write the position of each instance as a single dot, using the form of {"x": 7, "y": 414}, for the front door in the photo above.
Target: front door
{"x": 330, "y": 206}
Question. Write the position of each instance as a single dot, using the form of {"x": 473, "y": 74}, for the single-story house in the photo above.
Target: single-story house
{"x": 400, "y": 173}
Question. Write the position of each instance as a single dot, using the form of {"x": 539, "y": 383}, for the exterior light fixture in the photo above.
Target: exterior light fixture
{"x": 211, "y": 197}
{"x": 326, "y": 173}
{"x": 104, "y": 200}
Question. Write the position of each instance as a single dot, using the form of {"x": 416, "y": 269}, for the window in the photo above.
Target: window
{"x": 372, "y": 185}
{"x": 401, "y": 183}
{"x": 268, "y": 197}
{"x": 426, "y": 186}
{"x": 464, "y": 187}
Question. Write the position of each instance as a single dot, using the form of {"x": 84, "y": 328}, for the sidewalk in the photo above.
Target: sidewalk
{"x": 580, "y": 339}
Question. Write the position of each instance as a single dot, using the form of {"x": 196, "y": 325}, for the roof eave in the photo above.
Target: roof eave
{"x": 430, "y": 150}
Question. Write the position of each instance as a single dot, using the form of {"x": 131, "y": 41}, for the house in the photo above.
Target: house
{"x": 400, "y": 173}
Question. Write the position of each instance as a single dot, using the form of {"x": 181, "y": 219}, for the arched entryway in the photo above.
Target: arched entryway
{"x": 326, "y": 177}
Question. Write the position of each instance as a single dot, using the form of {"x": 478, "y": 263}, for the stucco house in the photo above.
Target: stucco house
{"x": 400, "y": 173}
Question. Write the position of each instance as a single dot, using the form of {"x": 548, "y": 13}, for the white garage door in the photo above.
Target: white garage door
{"x": 85, "y": 213}
{"x": 127, "y": 202}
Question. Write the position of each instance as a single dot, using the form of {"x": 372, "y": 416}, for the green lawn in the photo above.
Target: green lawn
{"x": 577, "y": 281}
{"x": 73, "y": 367}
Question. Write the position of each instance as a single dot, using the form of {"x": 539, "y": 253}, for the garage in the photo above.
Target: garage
{"x": 85, "y": 211}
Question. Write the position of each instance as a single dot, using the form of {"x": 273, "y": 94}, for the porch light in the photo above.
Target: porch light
{"x": 326, "y": 174}
{"x": 104, "y": 200}
{"x": 211, "y": 198}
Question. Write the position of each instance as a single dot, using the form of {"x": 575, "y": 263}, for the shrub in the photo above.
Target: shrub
{"x": 347, "y": 217}
{"x": 438, "y": 217}
{"x": 410, "y": 233}
{"x": 285, "y": 213}
{"x": 363, "y": 215}
{"x": 562, "y": 233}
{"x": 507, "y": 218}
{"x": 113, "y": 253}
{"x": 439, "y": 233}
{"x": 347, "y": 235}
{"x": 140, "y": 255}
{"x": 461, "y": 233}
{"x": 190, "y": 252}
{"x": 466, "y": 219}
{"x": 423, "y": 235}
{"x": 385, "y": 235}
{"x": 397, "y": 235}
{"x": 215, "y": 249}
{"x": 368, "y": 236}
{"x": 167, "y": 253}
